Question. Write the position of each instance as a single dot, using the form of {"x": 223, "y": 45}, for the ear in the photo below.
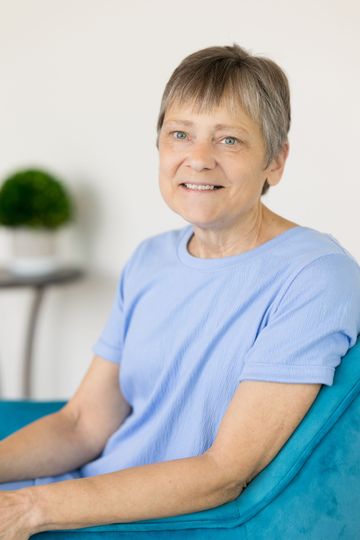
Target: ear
{"x": 276, "y": 168}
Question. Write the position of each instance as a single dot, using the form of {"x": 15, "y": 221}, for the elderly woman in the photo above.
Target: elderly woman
{"x": 221, "y": 333}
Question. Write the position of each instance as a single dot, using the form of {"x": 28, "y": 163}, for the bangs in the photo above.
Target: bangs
{"x": 214, "y": 86}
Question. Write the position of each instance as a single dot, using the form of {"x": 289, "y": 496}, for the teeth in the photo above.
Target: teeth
{"x": 201, "y": 187}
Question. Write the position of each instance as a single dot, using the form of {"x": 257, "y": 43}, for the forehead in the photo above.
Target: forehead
{"x": 222, "y": 116}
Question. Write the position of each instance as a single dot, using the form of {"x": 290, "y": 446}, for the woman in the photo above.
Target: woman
{"x": 160, "y": 425}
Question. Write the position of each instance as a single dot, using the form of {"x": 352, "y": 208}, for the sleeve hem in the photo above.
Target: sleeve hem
{"x": 105, "y": 351}
{"x": 288, "y": 373}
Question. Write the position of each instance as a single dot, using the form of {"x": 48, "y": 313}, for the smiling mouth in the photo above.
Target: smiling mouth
{"x": 200, "y": 187}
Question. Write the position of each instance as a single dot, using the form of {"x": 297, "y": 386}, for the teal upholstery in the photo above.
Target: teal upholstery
{"x": 310, "y": 490}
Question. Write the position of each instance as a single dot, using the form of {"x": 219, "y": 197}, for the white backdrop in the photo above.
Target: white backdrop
{"x": 80, "y": 89}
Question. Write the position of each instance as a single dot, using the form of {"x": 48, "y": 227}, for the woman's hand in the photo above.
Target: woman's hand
{"x": 17, "y": 515}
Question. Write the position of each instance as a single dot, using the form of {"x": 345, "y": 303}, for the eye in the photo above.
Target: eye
{"x": 179, "y": 135}
{"x": 233, "y": 141}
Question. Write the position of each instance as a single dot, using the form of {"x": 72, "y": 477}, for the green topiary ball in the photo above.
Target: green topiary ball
{"x": 36, "y": 199}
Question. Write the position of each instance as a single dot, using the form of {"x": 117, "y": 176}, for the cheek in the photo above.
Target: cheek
{"x": 168, "y": 162}
{"x": 242, "y": 171}
{"x": 167, "y": 173}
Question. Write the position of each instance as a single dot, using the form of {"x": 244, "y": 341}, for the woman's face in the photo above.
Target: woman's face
{"x": 216, "y": 148}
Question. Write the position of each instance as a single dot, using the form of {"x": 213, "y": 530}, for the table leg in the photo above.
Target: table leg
{"x": 28, "y": 353}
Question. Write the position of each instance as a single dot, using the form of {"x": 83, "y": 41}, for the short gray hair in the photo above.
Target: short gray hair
{"x": 255, "y": 83}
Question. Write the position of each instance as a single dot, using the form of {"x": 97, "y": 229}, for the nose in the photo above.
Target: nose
{"x": 201, "y": 156}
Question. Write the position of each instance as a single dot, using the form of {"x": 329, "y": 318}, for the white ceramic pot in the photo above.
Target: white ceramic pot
{"x": 33, "y": 251}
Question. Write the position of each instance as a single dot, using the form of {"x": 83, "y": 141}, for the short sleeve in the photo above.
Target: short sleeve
{"x": 110, "y": 343}
{"x": 314, "y": 324}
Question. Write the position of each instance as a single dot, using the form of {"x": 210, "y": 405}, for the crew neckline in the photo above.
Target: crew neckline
{"x": 221, "y": 262}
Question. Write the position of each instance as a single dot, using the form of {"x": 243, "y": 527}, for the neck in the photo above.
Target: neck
{"x": 259, "y": 227}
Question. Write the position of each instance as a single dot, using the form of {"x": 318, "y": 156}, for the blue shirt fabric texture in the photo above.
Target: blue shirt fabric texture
{"x": 186, "y": 331}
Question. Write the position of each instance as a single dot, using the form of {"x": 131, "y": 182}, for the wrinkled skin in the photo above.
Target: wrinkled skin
{"x": 16, "y": 512}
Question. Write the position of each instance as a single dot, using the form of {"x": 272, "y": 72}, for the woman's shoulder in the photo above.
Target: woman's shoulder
{"x": 305, "y": 257}
{"x": 317, "y": 262}
{"x": 304, "y": 241}
{"x": 315, "y": 243}
{"x": 156, "y": 249}
{"x": 161, "y": 242}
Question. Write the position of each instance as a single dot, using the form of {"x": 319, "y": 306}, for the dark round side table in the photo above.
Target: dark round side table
{"x": 38, "y": 283}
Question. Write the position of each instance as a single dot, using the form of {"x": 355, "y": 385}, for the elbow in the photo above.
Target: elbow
{"x": 227, "y": 485}
{"x": 88, "y": 444}
{"x": 236, "y": 489}
{"x": 232, "y": 491}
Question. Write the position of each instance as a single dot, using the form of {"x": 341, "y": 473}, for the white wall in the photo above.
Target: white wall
{"x": 80, "y": 89}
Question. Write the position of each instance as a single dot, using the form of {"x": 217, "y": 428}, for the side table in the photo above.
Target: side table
{"x": 38, "y": 283}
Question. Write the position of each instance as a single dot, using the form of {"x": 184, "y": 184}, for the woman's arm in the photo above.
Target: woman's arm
{"x": 49, "y": 446}
{"x": 71, "y": 437}
{"x": 145, "y": 492}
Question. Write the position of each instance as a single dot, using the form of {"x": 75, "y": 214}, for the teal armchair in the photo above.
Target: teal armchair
{"x": 310, "y": 490}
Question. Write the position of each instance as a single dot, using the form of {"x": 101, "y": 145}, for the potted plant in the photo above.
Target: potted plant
{"x": 34, "y": 204}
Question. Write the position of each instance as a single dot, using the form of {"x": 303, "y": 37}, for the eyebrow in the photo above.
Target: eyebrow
{"x": 217, "y": 126}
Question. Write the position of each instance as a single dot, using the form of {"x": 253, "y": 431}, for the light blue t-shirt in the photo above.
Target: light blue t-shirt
{"x": 187, "y": 330}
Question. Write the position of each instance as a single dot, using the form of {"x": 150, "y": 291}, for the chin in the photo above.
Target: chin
{"x": 201, "y": 221}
